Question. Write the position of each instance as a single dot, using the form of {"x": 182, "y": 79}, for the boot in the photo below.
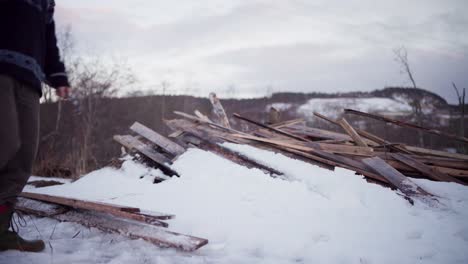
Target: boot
{"x": 10, "y": 239}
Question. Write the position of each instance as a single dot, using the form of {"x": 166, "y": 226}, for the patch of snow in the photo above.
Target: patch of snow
{"x": 312, "y": 216}
{"x": 333, "y": 107}
{"x": 279, "y": 106}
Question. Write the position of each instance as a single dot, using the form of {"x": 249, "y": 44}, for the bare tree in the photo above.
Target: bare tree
{"x": 461, "y": 104}
{"x": 93, "y": 78}
{"x": 401, "y": 56}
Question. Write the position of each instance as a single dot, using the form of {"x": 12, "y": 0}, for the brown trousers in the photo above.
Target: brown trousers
{"x": 19, "y": 132}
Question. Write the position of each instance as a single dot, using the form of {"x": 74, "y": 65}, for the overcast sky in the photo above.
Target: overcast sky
{"x": 251, "y": 47}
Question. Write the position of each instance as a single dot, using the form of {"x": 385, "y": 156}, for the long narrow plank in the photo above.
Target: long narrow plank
{"x": 79, "y": 203}
{"x": 406, "y": 124}
{"x": 107, "y": 223}
{"x": 451, "y": 172}
{"x": 308, "y": 146}
{"x": 424, "y": 169}
{"x": 338, "y": 161}
{"x": 436, "y": 153}
{"x": 203, "y": 121}
{"x": 152, "y": 234}
{"x": 101, "y": 207}
{"x": 161, "y": 141}
{"x": 276, "y": 130}
{"x": 288, "y": 123}
{"x": 352, "y": 133}
{"x": 230, "y": 154}
{"x": 399, "y": 180}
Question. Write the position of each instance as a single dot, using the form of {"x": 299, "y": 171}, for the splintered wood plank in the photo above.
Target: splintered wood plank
{"x": 399, "y": 180}
{"x": 116, "y": 210}
{"x": 351, "y": 132}
{"x": 161, "y": 141}
{"x": 218, "y": 111}
{"x": 108, "y": 223}
{"x": 424, "y": 169}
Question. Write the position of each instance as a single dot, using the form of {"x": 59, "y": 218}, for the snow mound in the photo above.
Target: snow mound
{"x": 313, "y": 215}
{"x": 333, "y": 107}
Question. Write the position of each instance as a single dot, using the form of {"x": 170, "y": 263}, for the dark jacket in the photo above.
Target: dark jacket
{"x": 28, "y": 45}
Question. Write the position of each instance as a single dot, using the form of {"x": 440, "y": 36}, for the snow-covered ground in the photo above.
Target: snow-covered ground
{"x": 333, "y": 107}
{"x": 312, "y": 216}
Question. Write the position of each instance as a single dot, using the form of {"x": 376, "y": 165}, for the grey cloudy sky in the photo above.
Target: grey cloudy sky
{"x": 260, "y": 46}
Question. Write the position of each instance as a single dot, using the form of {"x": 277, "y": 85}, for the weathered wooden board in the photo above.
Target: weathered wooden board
{"x": 424, "y": 169}
{"x": 39, "y": 208}
{"x": 308, "y": 146}
{"x": 397, "y": 179}
{"x": 124, "y": 212}
{"x": 159, "y": 140}
{"x": 134, "y": 230}
{"x": 436, "y": 153}
{"x": 288, "y": 123}
{"x": 111, "y": 224}
{"x": 133, "y": 143}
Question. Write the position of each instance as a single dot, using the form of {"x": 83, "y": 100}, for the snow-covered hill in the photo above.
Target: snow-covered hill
{"x": 313, "y": 215}
{"x": 333, "y": 107}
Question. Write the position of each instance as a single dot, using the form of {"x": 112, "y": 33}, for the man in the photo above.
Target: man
{"x": 28, "y": 57}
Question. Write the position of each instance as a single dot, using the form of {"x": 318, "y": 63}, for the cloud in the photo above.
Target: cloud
{"x": 295, "y": 45}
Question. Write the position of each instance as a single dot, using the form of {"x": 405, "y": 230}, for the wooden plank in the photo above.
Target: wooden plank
{"x": 352, "y": 133}
{"x": 451, "y": 172}
{"x": 309, "y": 146}
{"x": 436, "y": 153}
{"x": 43, "y": 209}
{"x": 133, "y": 143}
{"x": 271, "y": 128}
{"x": 338, "y": 161}
{"x": 149, "y": 233}
{"x": 399, "y": 180}
{"x": 202, "y": 116}
{"x": 197, "y": 119}
{"x": 424, "y": 169}
{"x": 159, "y": 140}
{"x": 102, "y": 207}
{"x": 218, "y": 111}
{"x": 229, "y": 154}
{"x": 288, "y": 123}
{"x": 110, "y": 224}
{"x": 406, "y": 124}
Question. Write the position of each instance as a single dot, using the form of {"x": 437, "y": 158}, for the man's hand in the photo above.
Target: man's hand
{"x": 63, "y": 92}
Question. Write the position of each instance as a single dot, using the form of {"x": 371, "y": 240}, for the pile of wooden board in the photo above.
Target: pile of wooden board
{"x": 379, "y": 161}
{"x": 127, "y": 221}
